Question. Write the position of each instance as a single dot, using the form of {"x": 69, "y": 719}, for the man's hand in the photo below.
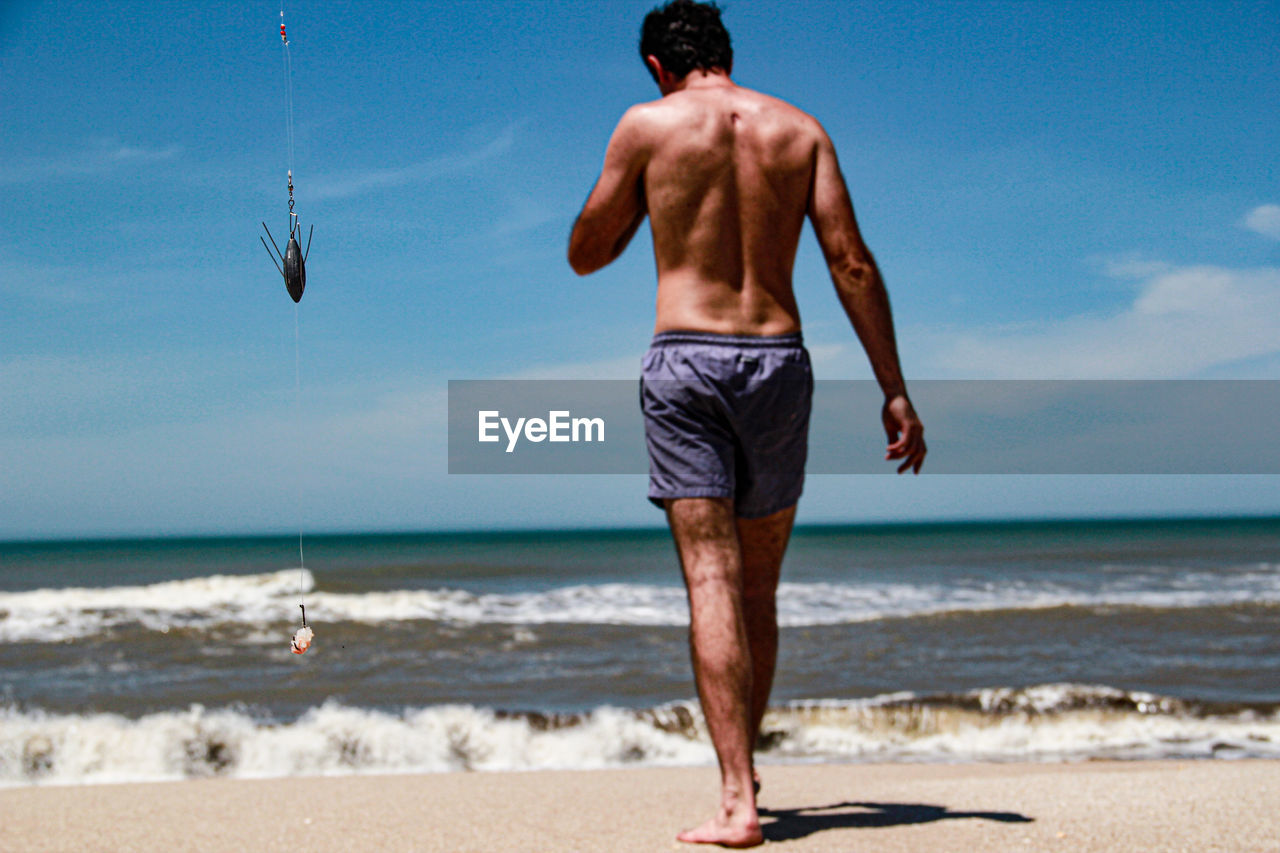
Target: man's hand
{"x": 906, "y": 433}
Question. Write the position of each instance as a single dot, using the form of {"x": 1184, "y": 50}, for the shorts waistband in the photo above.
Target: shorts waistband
{"x": 790, "y": 339}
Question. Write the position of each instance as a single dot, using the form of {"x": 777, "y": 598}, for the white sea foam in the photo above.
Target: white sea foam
{"x": 1047, "y": 723}
{"x": 51, "y": 615}
{"x": 328, "y": 740}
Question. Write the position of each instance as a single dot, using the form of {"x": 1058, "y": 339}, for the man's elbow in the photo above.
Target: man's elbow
{"x": 582, "y": 258}
{"x": 855, "y": 273}
{"x": 581, "y": 262}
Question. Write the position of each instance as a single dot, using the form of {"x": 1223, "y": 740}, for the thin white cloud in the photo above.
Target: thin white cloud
{"x": 1183, "y": 322}
{"x": 348, "y": 184}
{"x": 524, "y": 214}
{"x": 1265, "y": 220}
{"x": 139, "y": 154}
{"x": 1133, "y": 267}
{"x": 101, "y": 158}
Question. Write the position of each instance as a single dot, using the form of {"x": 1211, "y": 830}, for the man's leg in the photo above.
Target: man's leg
{"x": 707, "y": 541}
{"x": 762, "y": 543}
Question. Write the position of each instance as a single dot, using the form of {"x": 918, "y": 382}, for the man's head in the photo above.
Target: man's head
{"x": 685, "y": 36}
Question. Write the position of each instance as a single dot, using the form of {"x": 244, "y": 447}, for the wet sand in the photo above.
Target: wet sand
{"x": 1150, "y": 806}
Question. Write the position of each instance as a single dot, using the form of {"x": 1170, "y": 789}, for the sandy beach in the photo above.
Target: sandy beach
{"x": 1150, "y": 806}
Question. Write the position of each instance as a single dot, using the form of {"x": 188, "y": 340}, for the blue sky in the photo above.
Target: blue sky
{"x": 1080, "y": 190}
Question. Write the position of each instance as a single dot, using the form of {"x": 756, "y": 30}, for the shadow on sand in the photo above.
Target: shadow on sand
{"x": 790, "y": 824}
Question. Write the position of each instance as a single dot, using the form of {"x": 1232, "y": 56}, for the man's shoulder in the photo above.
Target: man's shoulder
{"x": 774, "y": 102}
{"x": 802, "y": 122}
{"x": 643, "y": 121}
{"x": 649, "y": 115}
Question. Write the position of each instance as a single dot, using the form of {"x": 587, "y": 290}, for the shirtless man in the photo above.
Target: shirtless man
{"x": 727, "y": 177}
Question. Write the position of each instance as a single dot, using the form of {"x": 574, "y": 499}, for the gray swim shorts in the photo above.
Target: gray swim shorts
{"x": 727, "y": 416}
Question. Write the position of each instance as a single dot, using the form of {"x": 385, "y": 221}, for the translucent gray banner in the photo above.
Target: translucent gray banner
{"x": 971, "y": 426}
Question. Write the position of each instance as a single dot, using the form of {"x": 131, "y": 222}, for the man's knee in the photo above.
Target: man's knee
{"x": 712, "y": 576}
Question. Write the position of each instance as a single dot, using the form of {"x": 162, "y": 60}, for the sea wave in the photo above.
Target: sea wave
{"x": 1052, "y": 722}
{"x": 53, "y": 615}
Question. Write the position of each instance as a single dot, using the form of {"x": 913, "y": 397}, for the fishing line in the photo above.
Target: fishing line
{"x": 292, "y": 266}
{"x": 288, "y": 89}
{"x": 288, "y": 112}
{"x": 294, "y": 273}
{"x": 297, "y": 358}
{"x": 297, "y": 407}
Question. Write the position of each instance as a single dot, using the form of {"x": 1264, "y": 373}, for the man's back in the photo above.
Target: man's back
{"x": 726, "y": 186}
{"x": 727, "y": 177}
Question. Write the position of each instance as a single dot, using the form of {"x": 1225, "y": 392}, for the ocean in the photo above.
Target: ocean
{"x": 157, "y": 659}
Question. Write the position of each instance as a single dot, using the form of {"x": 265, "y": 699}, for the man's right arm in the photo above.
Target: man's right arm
{"x": 863, "y": 296}
{"x": 616, "y": 207}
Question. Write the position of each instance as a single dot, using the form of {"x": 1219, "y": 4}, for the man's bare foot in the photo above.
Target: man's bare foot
{"x": 726, "y": 830}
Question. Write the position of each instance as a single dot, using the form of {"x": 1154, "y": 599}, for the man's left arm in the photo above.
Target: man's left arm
{"x": 616, "y": 206}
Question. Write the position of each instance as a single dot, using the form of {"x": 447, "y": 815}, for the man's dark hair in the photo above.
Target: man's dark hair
{"x": 685, "y": 35}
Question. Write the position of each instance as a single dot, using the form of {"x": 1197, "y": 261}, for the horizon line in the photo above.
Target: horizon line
{"x": 1011, "y": 521}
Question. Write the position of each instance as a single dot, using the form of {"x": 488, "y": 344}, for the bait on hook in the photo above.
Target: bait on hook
{"x": 303, "y": 636}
